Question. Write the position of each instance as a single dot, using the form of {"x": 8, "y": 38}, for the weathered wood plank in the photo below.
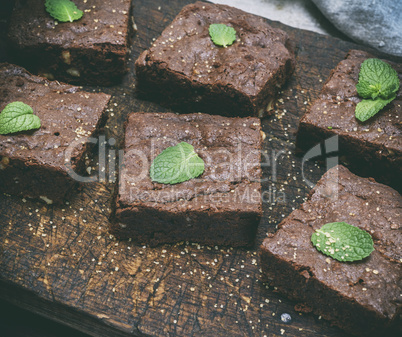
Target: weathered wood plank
{"x": 62, "y": 263}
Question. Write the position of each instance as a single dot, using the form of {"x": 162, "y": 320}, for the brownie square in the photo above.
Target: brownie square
{"x": 362, "y": 297}
{"x": 91, "y": 50}
{"x": 373, "y": 148}
{"x": 186, "y": 70}
{"x": 33, "y": 163}
{"x": 221, "y": 207}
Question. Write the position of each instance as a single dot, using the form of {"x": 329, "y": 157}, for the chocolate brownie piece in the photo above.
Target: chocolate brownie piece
{"x": 373, "y": 148}
{"x": 91, "y": 50}
{"x": 33, "y": 163}
{"x": 222, "y": 206}
{"x": 362, "y": 297}
{"x": 186, "y": 70}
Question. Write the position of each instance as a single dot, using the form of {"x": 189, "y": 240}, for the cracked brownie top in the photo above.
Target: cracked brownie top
{"x": 342, "y": 196}
{"x": 230, "y": 148}
{"x": 335, "y": 108}
{"x": 68, "y": 115}
{"x": 255, "y": 59}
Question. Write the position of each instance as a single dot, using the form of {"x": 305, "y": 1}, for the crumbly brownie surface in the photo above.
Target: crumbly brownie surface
{"x": 222, "y": 206}
{"x": 33, "y": 163}
{"x": 373, "y": 147}
{"x": 91, "y": 50}
{"x": 362, "y": 297}
{"x": 189, "y": 71}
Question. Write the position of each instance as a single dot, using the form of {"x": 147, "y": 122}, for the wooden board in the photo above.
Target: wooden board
{"x": 62, "y": 263}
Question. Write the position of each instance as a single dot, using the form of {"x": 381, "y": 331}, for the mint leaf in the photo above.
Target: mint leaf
{"x": 343, "y": 242}
{"x": 367, "y": 108}
{"x": 380, "y": 77}
{"x": 16, "y": 117}
{"x": 176, "y": 164}
{"x": 367, "y": 90}
{"x": 221, "y": 34}
{"x": 63, "y": 10}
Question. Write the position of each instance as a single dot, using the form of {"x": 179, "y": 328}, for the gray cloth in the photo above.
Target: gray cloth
{"x": 377, "y": 23}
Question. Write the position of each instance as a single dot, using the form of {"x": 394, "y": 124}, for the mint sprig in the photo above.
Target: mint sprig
{"x": 63, "y": 10}
{"x": 343, "y": 242}
{"x": 378, "y": 85}
{"x": 176, "y": 164}
{"x": 17, "y": 117}
{"x": 221, "y": 34}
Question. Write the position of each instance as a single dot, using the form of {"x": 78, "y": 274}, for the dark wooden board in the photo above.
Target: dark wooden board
{"x": 62, "y": 263}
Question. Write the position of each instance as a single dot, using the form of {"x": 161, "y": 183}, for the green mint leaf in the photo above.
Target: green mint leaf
{"x": 343, "y": 242}
{"x": 367, "y": 90}
{"x": 380, "y": 76}
{"x": 17, "y": 117}
{"x": 221, "y": 34}
{"x": 176, "y": 164}
{"x": 367, "y": 108}
{"x": 63, "y": 10}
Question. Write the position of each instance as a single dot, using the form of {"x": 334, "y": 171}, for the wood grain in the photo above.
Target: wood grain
{"x": 62, "y": 263}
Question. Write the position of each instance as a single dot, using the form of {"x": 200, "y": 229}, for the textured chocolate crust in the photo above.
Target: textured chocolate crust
{"x": 32, "y": 164}
{"x": 185, "y": 70}
{"x": 92, "y": 50}
{"x": 361, "y": 297}
{"x": 373, "y": 148}
{"x": 221, "y": 207}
